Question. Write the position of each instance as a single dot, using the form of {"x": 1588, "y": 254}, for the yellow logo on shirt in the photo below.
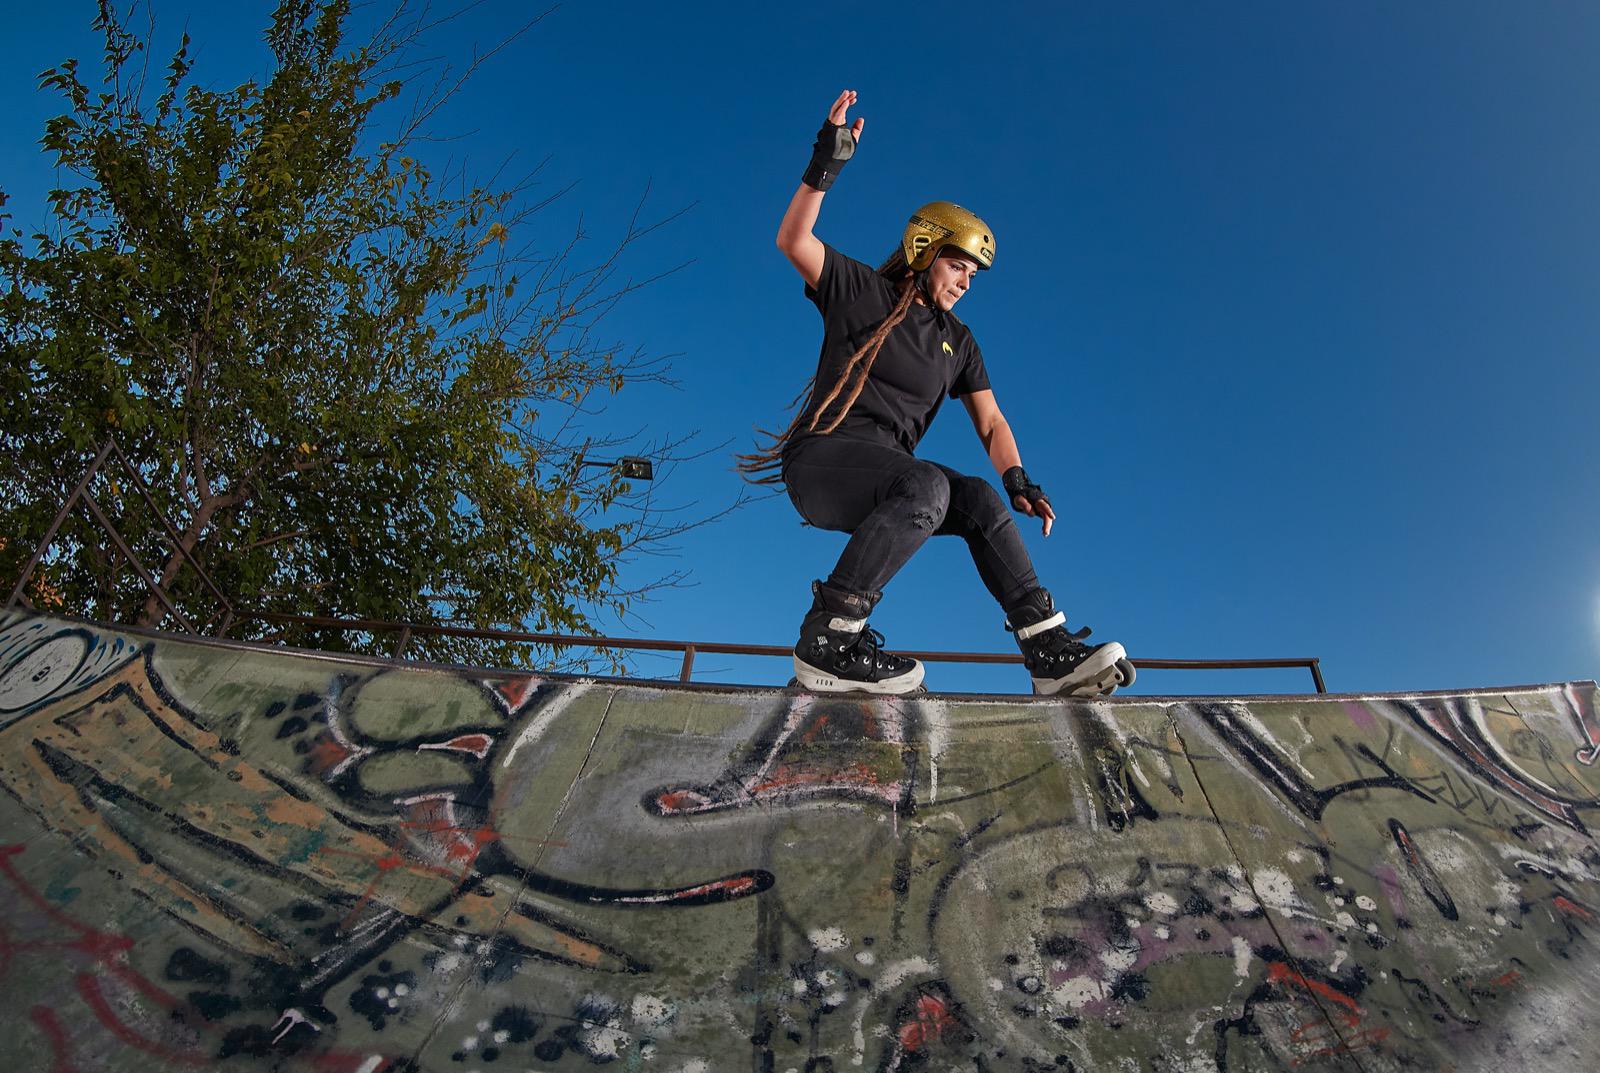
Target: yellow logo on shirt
{"x": 947, "y": 349}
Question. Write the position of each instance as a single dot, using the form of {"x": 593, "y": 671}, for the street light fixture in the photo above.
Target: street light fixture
{"x": 631, "y": 467}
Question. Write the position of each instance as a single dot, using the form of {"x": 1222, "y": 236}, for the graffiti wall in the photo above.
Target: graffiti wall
{"x": 249, "y": 859}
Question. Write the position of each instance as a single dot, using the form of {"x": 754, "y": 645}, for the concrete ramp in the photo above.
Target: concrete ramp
{"x": 252, "y": 859}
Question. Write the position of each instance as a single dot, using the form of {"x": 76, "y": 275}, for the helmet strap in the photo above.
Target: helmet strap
{"x": 927, "y": 296}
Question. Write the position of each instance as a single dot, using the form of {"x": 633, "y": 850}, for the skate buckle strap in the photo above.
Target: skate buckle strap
{"x": 846, "y": 625}
{"x": 1025, "y": 632}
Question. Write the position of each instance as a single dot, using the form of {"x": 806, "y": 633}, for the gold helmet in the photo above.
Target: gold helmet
{"x": 939, "y": 224}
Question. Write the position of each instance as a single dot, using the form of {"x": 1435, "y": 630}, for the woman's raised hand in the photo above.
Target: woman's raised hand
{"x": 839, "y": 113}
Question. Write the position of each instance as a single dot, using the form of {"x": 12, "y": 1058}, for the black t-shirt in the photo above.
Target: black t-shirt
{"x": 924, "y": 358}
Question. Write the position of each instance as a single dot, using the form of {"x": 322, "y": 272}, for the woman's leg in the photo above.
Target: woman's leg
{"x": 979, "y": 516}
{"x": 888, "y": 501}
{"x": 1057, "y": 660}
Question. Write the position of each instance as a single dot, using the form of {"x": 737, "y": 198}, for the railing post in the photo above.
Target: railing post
{"x": 688, "y": 663}
{"x": 55, "y": 526}
{"x": 405, "y": 639}
{"x": 128, "y": 556}
{"x": 173, "y": 538}
{"x": 1316, "y": 675}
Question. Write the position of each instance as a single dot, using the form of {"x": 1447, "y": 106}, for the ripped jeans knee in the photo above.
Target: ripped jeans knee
{"x": 922, "y": 495}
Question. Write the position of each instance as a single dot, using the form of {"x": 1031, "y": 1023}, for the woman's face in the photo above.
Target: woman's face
{"x": 949, "y": 277}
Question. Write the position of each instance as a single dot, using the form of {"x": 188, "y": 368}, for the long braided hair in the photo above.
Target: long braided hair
{"x": 764, "y": 465}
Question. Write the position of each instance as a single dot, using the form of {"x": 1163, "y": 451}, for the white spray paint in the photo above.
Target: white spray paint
{"x": 1078, "y": 992}
{"x": 1276, "y": 891}
{"x": 652, "y": 1010}
{"x": 828, "y": 938}
{"x": 893, "y": 975}
{"x": 1241, "y": 957}
{"x": 936, "y": 717}
{"x": 1245, "y": 716}
{"x": 1161, "y": 902}
{"x": 541, "y": 722}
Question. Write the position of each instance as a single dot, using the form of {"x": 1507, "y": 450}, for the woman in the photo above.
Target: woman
{"x": 892, "y": 349}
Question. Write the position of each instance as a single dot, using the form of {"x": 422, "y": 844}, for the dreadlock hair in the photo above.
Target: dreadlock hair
{"x": 764, "y": 465}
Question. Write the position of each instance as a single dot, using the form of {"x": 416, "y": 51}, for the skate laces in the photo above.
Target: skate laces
{"x": 869, "y": 638}
{"x": 1061, "y": 641}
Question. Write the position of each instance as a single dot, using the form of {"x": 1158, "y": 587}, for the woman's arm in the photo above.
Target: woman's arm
{"x": 1001, "y": 446}
{"x": 795, "y": 234}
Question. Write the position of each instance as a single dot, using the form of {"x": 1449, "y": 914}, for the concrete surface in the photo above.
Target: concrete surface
{"x": 259, "y": 860}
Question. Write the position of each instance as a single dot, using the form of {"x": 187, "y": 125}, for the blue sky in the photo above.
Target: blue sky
{"x": 1294, "y": 309}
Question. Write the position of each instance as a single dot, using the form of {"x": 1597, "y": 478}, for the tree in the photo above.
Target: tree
{"x": 343, "y": 380}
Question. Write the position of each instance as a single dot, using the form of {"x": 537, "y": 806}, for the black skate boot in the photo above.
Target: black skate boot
{"x": 1059, "y": 661}
{"x": 837, "y": 653}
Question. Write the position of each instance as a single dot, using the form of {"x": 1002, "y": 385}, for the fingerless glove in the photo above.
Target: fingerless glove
{"x": 834, "y": 146}
{"x": 1016, "y": 483}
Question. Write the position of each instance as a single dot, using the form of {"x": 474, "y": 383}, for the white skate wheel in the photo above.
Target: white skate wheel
{"x": 1126, "y": 674}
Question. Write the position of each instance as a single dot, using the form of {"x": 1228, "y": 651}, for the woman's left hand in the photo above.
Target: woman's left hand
{"x": 1028, "y": 497}
{"x": 1036, "y": 508}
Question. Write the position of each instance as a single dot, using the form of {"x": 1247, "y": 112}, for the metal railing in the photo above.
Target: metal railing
{"x": 405, "y": 632}
{"x": 690, "y": 649}
{"x": 82, "y": 496}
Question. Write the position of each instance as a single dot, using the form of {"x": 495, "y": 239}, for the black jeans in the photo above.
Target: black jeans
{"x": 891, "y": 502}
